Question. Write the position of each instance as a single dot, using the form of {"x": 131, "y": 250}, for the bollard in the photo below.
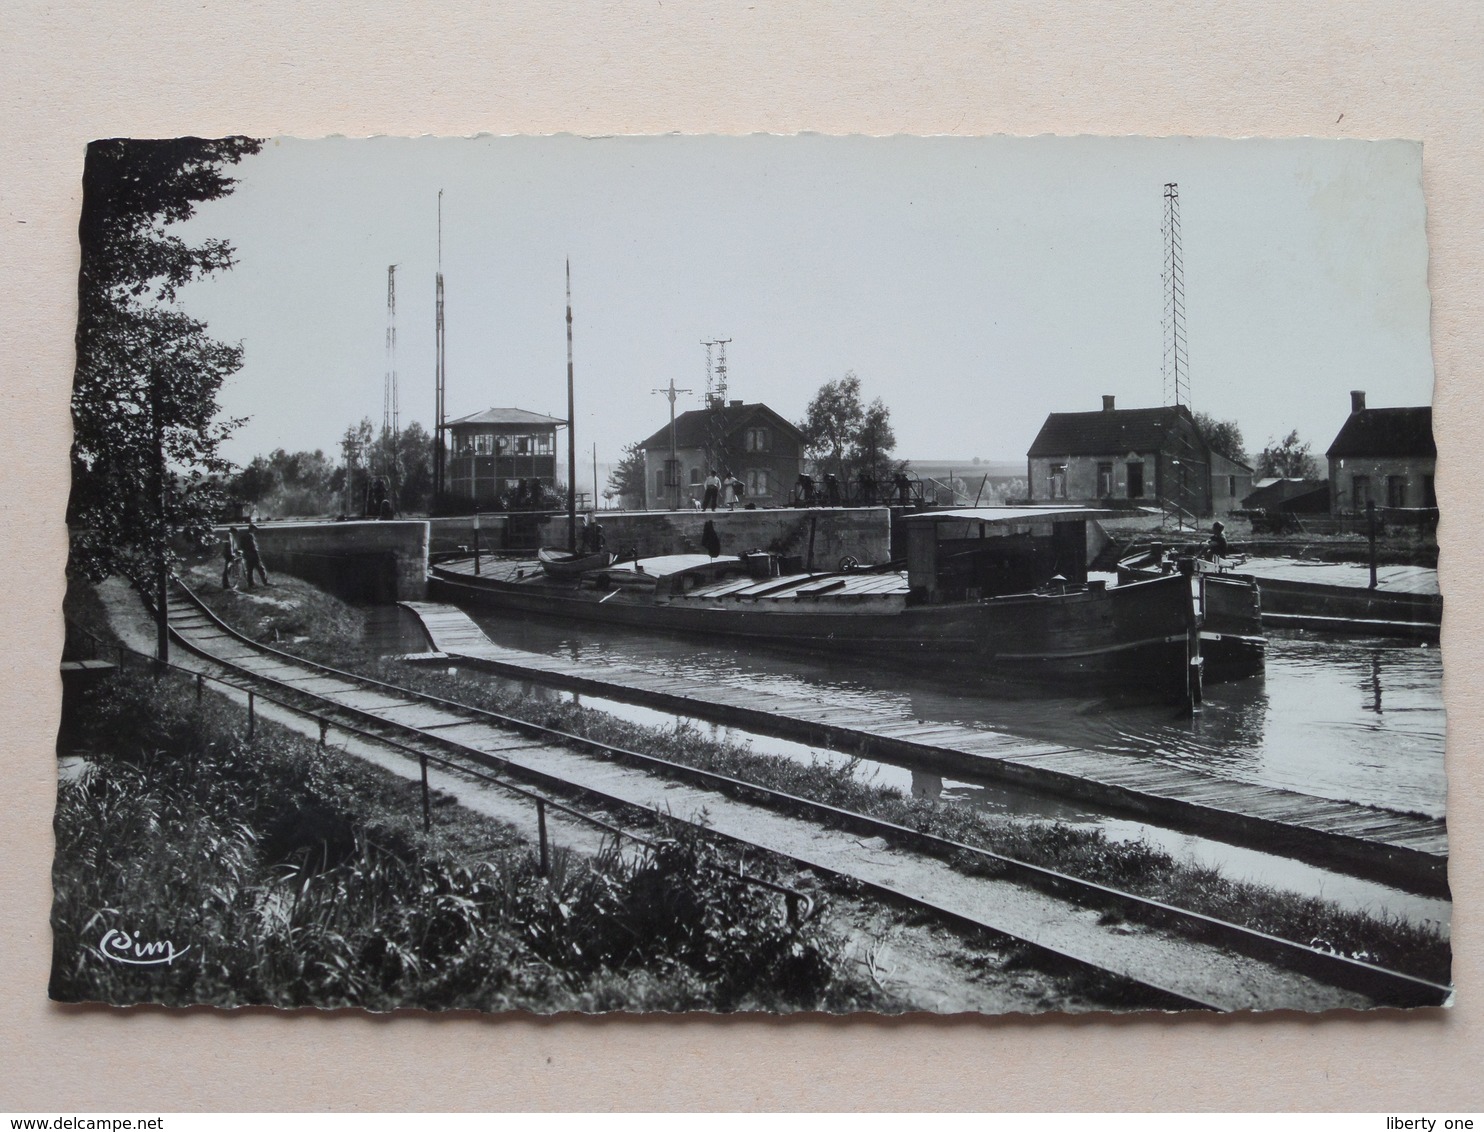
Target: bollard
{"x": 324, "y": 731}
{"x": 252, "y": 717}
{"x": 200, "y": 684}
{"x": 541, "y": 835}
{"x": 422, "y": 761}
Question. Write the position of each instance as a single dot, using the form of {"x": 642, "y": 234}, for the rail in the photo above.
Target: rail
{"x": 1382, "y": 985}
{"x": 800, "y": 905}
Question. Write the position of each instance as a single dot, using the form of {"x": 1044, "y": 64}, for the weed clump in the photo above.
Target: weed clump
{"x": 296, "y": 877}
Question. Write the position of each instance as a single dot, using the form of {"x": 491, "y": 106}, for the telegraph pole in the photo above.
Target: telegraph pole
{"x": 440, "y": 371}
{"x": 674, "y": 464}
{"x": 571, "y": 430}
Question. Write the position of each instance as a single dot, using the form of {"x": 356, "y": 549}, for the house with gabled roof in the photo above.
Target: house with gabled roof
{"x": 1154, "y": 457}
{"x": 500, "y": 453}
{"x": 751, "y": 443}
{"x": 1382, "y": 456}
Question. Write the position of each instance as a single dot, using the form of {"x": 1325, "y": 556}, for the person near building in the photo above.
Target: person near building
{"x": 713, "y": 491}
{"x": 1216, "y": 545}
{"x": 251, "y": 558}
{"x": 230, "y": 558}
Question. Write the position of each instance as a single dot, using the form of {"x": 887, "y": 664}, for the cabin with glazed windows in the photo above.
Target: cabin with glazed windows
{"x": 489, "y": 455}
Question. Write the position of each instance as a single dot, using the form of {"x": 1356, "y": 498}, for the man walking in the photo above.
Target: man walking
{"x": 250, "y": 555}
{"x": 229, "y": 558}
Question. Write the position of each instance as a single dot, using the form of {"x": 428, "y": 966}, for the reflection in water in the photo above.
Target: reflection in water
{"x": 1313, "y": 724}
{"x": 927, "y": 785}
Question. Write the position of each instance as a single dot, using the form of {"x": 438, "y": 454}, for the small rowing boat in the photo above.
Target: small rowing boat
{"x": 560, "y": 564}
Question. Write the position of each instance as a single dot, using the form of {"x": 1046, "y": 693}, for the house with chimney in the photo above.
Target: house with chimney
{"x": 1155, "y": 457}
{"x": 749, "y": 442}
{"x": 1382, "y": 456}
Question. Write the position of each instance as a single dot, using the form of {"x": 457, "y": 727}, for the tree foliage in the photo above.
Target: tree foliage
{"x": 846, "y": 437}
{"x": 1288, "y": 458}
{"x": 626, "y": 480}
{"x": 1224, "y": 437}
{"x": 147, "y": 436}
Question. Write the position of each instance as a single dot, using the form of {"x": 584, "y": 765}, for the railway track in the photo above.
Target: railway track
{"x": 1182, "y": 957}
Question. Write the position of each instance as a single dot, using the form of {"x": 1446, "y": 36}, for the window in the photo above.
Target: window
{"x": 1396, "y": 491}
{"x": 1231, "y": 486}
{"x": 659, "y": 481}
{"x": 1105, "y": 481}
{"x": 484, "y": 443}
{"x": 757, "y": 440}
{"x": 1360, "y": 492}
{"x": 502, "y": 446}
{"x": 1057, "y": 481}
{"x": 522, "y": 445}
{"x": 543, "y": 444}
{"x": 757, "y": 482}
{"x": 1136, "y": 480}
{"x": 695, "y": 475}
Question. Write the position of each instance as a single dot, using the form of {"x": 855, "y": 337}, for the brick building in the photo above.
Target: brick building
{"x": 750, "y": 442}
{"x": 1382, "y": 456}
{"x": 1156, "y": 457}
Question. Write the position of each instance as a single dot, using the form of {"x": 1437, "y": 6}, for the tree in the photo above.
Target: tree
{"x": 847, "y": 438}
{"x": 355, "y": 450}
{"x": 415, "y": 464}
{"x": 832, "y": 424}
{"x": 1288, "y": 458}
{"x": 258, "y": 480}
{"x": 1224, "y": 437}
{"x": 870, "y": 449}
{"x": 146, "y": 451}
{"x": 626, "y": 481}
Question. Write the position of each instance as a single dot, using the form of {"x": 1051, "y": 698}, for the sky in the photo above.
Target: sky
{"x": 973, "y": 284}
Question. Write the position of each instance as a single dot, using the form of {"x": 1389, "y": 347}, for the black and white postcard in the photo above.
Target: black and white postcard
{"x": 662, "y": 574}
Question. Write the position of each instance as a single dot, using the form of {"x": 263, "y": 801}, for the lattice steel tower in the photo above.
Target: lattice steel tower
{"x": 1176, "y": 365}
{"x": 716, "y": 403}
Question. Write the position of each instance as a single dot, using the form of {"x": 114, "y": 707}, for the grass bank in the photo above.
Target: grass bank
{"x": 1134, "y": 867}
{"x": 297, "y": 876}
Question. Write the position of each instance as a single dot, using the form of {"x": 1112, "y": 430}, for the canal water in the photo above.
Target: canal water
{"x": 1356, "y": 720}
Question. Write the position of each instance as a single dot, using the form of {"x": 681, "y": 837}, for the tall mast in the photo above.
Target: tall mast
{"x": 440, "y": 372}
{"x": 1176, "y": 367}
{"x": 571, "y": 430}
{"x": 391, "y": 425}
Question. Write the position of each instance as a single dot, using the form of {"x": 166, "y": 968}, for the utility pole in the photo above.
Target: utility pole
{"x": 162, "y": 532}
{"x": 571, "y": 430}
{"x": 391, "y": 425}
{"x": 440, "y": 372}
{"x": 1176, "y": 368}
{"x": 673, "y": 467}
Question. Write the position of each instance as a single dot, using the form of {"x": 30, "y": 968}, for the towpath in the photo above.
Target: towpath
{"x": 1402, "y": 848}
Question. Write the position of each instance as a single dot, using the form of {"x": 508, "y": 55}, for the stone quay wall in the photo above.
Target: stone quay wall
{"x": 378, "y": 561}
{"x": 862, "y": 533}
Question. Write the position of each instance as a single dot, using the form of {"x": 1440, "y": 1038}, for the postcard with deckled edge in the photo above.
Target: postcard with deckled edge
{"x": 663, "y": 574}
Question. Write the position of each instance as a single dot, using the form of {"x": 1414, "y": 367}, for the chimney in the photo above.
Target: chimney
{"x": 1357, "y": 400}
{"x": 736, "y": 404}
{"x": 1107, "y": 402}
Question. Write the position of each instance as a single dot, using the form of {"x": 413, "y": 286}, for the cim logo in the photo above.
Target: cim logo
{"x": 119, "y": 946}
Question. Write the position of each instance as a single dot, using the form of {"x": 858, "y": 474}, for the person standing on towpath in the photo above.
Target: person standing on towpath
{"x": 250, "y": 554}
{"x": 713, "y": 490}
